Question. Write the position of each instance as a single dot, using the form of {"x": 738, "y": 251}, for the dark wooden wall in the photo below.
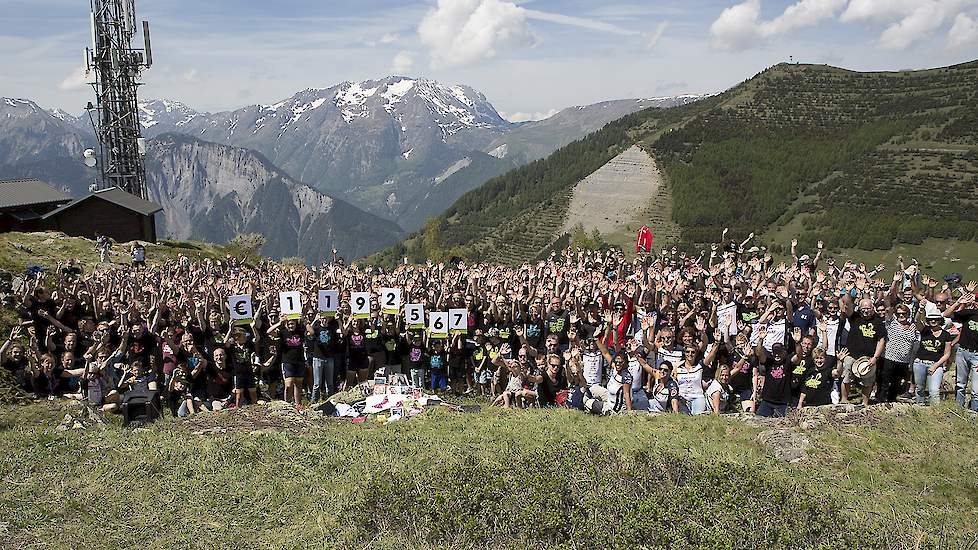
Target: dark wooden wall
{"x": 99, "y": 217}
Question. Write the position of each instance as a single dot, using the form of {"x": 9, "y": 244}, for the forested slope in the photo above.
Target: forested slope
{"x": 855, "y": 159}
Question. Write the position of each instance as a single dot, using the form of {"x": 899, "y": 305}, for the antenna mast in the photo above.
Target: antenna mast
{"x": 117, "y": 66}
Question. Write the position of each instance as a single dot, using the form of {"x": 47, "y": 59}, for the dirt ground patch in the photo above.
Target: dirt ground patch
{"x": 615, "y": 194}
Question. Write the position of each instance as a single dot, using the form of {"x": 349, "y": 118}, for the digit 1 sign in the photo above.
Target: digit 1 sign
{"x": 390, "y": 300}
{"x": 360, "y": 305}
{"x": 458, "y": 321}
{"x": 414, "y": 316}
{"x": 438, "y": 324}
{"x": 240, "y": 308}
{"x": 329, "y": 301}
{"x": 290, "y": 304}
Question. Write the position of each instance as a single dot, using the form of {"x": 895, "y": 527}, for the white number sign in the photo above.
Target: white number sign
{"x": 290, "y": 304}
{"x": 241, "y": 310}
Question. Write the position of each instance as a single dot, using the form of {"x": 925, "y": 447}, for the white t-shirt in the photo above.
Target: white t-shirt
{"x": 690, "y": 381}
{"x": 714, "y": 388}
{"x": 592, "y": 363}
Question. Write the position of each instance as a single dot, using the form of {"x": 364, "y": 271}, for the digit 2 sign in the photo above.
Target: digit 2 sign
{"x": 390, "y": 300}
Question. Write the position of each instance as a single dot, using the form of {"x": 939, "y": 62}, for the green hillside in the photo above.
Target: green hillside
{"x": 859, "y": 160}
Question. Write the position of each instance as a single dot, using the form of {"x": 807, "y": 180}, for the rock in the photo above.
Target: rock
{"x": 77, "y": 426}
{"x": 787, "y": 445}
{"x": 62, "y": 428}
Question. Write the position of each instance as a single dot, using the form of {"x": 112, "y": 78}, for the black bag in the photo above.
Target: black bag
{"x": 140, "y": 406}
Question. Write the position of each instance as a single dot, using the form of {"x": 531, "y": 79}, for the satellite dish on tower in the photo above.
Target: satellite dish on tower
{"x": 89, "y": 155}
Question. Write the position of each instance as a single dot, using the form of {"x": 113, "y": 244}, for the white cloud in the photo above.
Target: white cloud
{"x": 524, "y": 117}
{"x": 389, "y": 38}
{"x": 581, "y": 22}
{"x": 76, "y": 80}
{"x": 804, "y": 13}
{"x": 190, "y": 76}
{"x": 911, "y": 20}
{"x": 403, "y": 63}
{"x": 874, "y": 10}
{"x": 920, "y": 23}
{"x": 964, "y": 32}
{"x": 740, "y": 26}
{"x": 737, "y": 27}
{"x": 460, "y": 32}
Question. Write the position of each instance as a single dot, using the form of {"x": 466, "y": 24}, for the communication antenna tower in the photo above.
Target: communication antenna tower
{"x": 117, "y": 67}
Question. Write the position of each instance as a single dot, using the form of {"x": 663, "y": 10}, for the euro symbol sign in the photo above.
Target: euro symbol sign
{"x": 239, "y": 307}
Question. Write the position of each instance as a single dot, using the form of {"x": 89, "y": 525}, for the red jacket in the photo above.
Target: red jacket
{"x": 643, "y": 240}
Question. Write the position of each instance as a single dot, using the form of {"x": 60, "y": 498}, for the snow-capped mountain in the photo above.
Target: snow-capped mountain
{"x": 380, "y": 144}
{"x": 166, "y": 113}
{"x": 387, "y": 145}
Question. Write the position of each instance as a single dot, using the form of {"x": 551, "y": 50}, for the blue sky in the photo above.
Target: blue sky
{"x": 529, "y": 57}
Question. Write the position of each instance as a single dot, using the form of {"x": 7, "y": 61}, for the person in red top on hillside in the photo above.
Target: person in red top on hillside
{"x": 643, "y": 240}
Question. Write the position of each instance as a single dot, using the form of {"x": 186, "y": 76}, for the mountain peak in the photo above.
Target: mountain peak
{"x": 165, "y": 111}
{"x": 451, "y": 107}
{"x": 20, "y": 103}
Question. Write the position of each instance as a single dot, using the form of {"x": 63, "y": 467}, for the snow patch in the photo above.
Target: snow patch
{"x": 459, "y": 94}
{"x": 462, "y": 163}
{"x": 352, "y": 101}
{"x": 395, "y": 92}
{"x": 500, "y": 152}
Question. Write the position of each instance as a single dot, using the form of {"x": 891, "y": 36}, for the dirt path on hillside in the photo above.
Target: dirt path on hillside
{"x": 616, "y": 194}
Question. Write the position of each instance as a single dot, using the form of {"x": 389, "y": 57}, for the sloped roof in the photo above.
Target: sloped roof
{"x": 27, "y": 192}
{"x": 115, "y": 196}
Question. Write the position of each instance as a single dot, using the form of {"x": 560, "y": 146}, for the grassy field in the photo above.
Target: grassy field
{"x": 490, "y": 479}
{"x": 19, "y": 250}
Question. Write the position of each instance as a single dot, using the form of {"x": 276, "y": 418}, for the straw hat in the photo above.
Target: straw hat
{"x": 861, "y": 367}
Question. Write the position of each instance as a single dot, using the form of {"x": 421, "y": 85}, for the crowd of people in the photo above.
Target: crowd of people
{"x": 729, "y": 329}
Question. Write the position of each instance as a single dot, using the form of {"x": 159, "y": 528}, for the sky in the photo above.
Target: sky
{"x": 529, "y": 57}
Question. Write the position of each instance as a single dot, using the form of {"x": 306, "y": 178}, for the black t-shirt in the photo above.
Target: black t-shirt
{"x": 40, "y": 323}
{"x": 864, "y": 335}
{"x": 534, "y": 332}
{"x": 747, "y": 314}
{"x": 198, "y": 383}
{"x": 817, "y": 383}
{"x": 744, "y": 379}
{"x": 240, "y": 359}
{"x": 932, "y": 346}
{"x": 547, "y": 391}
{"x": 211, "y": 339}
{"x": 969, "y": 328}
{"x": 413, "y": 355}
{"x": 290, "y": 345}
{"x": 438, "y": 360}
{"x": 393, "y": 346}
{"x": 142, "y": 347}
{"x": 777, "y": 381}
{"x": 12, "y": 366}
{"x": 372, "y": 334}
{"x": 325, "y": 342}
{"x": 558, "y": 323}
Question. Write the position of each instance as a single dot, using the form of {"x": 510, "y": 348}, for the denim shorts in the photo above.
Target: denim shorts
{"x": 293, "y": 370}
